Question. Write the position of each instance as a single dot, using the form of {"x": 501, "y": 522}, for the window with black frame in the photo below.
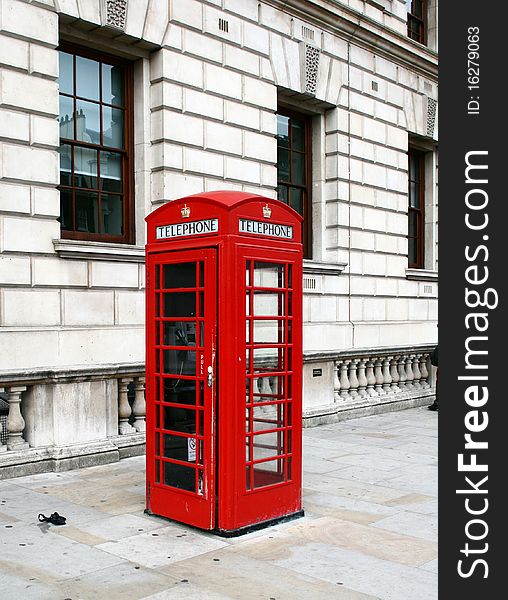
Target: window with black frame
{"x": 416, "y": 20}
{"x": 95, "y": 146}
{"x": 416, "y": 209}
{"x": 294, "y": 168}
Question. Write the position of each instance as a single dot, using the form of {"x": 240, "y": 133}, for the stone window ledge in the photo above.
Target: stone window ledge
{"x": 313, "y": 267}
{"x": 99, "y": 251}
{"x": 421, "y": 274}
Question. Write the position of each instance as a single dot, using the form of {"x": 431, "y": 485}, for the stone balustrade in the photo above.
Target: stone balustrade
{"x": 390, "y": 375}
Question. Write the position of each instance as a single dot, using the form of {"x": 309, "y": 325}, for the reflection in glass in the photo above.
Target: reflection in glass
{"x": 112, "y": 85}
{"x": 267, "y": 445}
{"x": 66, "y": 117}
{"x": 282, "y": 193}
{"x": 85, "y": 167}
{"x": 88, "y": 124}
{"x": 298, "y": 168}
{"x": 298, "y": 135}
{"x": 112, "y": 126}
{"x": 296, "y": 199}
{"x": 86, "y": 211}
{"x": 283, "y": 131}
{"x": 65, "y": 73}
{"x": 179, "y": 391}
{"x": 65, "y": 152}
{"x": 268, "y": 274}
{"x": 111, "y": 172}
{"x": 268, "y": 304}
{"x": 111, "y": 214}
{"x": 283, "y": 165}
{"x": 87, "y": 78}
{"x": 266, "y": 332}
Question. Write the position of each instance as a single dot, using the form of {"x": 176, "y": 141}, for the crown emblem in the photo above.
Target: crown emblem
{"x": 185, "y": 211}
{"x": 267, "y": 211}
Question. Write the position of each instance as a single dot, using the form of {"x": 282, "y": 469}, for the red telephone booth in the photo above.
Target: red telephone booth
{"x": 224, "y": 361}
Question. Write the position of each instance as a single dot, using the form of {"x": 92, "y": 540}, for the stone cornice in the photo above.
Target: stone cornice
{"x": 347, "y": 23}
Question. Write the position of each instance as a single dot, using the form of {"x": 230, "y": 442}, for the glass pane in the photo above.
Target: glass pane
{"x": 266, "y": 332}
{"x": 268, "y": 388}
{"x": 412, "y": 251}
{"x": 65, "y": 73}
{"x": 179, "y": 419}
{"x": 265, "y": 360}
{"x": 111, "y": 214}
{"x": 180, "y": 477}
{"x": 111, "y": 172}
{"x": 282, "y": 193}
{"x": 112, "y": 123}
{"x": 268, "y": 274}
{"x": 85, "y": 168}
{"x": 283, "y": 165}
{"x": 66, "y": 119}
{"x": 296, "y": 199}
{"x": 414, "y": 195}
{"x": 298, "y": 135}
{"x": 283, "y": 131}
{"x": 86, "y": 211}
{"x": 65, "y": 152}
{"x": 180, "y": 391}
{"x": 112, "y": 84}
{"x": 179, "y": 333}
{"x": 180, "y": 304}
{"x": 298, "y": 172}
{"x": 88, "y": 126}
{"x": 180, "y": 275}
{"x": 180, "y": 362}
{"x": 269, "y": 416}
{"x": 268, "y": 473}
{"x": 412, "y": 218}
{"x": 66, "y": 209}
{"x": 87, "y": 78}
{"x": 267, "y": 304}
{"x": 268, "y": 444}
{"x": 418, "y": 8}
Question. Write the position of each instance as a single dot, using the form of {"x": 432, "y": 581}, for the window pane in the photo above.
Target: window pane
{"x": 298, "y": 173}
{"x": 412, "y": 217}
{"x": 282, "y": 193}
{"x": 112, "y": 123}
{"x": 283, "y": 131}
{"x": 412, "y": 253}
{"x": 112, "y": 84}
{"x": 87, "y": 78}
{"x": 66, "y": 119}
{"x": 268, "y": 274}
{"x": 297, "y": 135}
{"x": 296, "y": 199}
{"x": 180, "y": 304}
{"x": 88, "y": 125}
{"x": 65, "y": 73}
{"x": 66, "y": 209}
{"x": 414, "y": 196}
{"x": 85, "y": 167}
{"x": 111, "y": 214}
{"x": 180, "y": 275}
{"x": 86, "y": 211}
{"x": 283, "y": 165}
{"x": 65, "y": 152}
{"x": 179, "y": 476}
{"x": 111, "y": 172}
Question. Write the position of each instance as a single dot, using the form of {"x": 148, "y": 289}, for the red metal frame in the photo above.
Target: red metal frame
{"x": 233, "y": 497}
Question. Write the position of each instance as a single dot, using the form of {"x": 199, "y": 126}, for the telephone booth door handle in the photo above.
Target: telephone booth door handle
{"x": 209, "y": 379}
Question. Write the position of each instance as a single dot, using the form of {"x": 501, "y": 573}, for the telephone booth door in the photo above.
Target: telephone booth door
{"x": 181, "y": 335}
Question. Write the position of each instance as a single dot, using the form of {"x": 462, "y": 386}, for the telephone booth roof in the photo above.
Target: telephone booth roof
{"x": 235, "y": 212}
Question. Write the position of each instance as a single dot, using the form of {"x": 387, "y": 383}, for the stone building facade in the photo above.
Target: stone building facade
{"x": 109, "y": 108}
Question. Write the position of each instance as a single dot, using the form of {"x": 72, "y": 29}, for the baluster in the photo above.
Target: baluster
{"x": 264, "y": 387}
{"x": 394, "y": 372}
{"x": 362, "y": 379}
{"x": 402, "y": 373}
{"x": 124, "y": 408}
{"x": 15, "y": 421}
{"x": 379, "y": 377}
{"x": 336, "y": 381}
{"x": 409, "y": 372}
{"x": 139, "y": 406}
{"x": 3, "y": 447}
{"x": 371, "y": 379}
{"x": 416, "y": 371}
{"x": 387, "y": 378}
{"x": 344, "y": 381}
{"x": 353, "y": 379}
{"x": 424, "y": 371}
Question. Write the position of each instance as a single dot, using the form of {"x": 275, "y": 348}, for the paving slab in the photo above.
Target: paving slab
{"x": 369, "y": 530}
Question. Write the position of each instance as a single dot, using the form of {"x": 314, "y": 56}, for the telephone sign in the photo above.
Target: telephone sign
{"x": 224, "y": 361}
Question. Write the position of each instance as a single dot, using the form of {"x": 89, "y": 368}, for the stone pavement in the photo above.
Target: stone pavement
{"x": 370, "y": 529}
